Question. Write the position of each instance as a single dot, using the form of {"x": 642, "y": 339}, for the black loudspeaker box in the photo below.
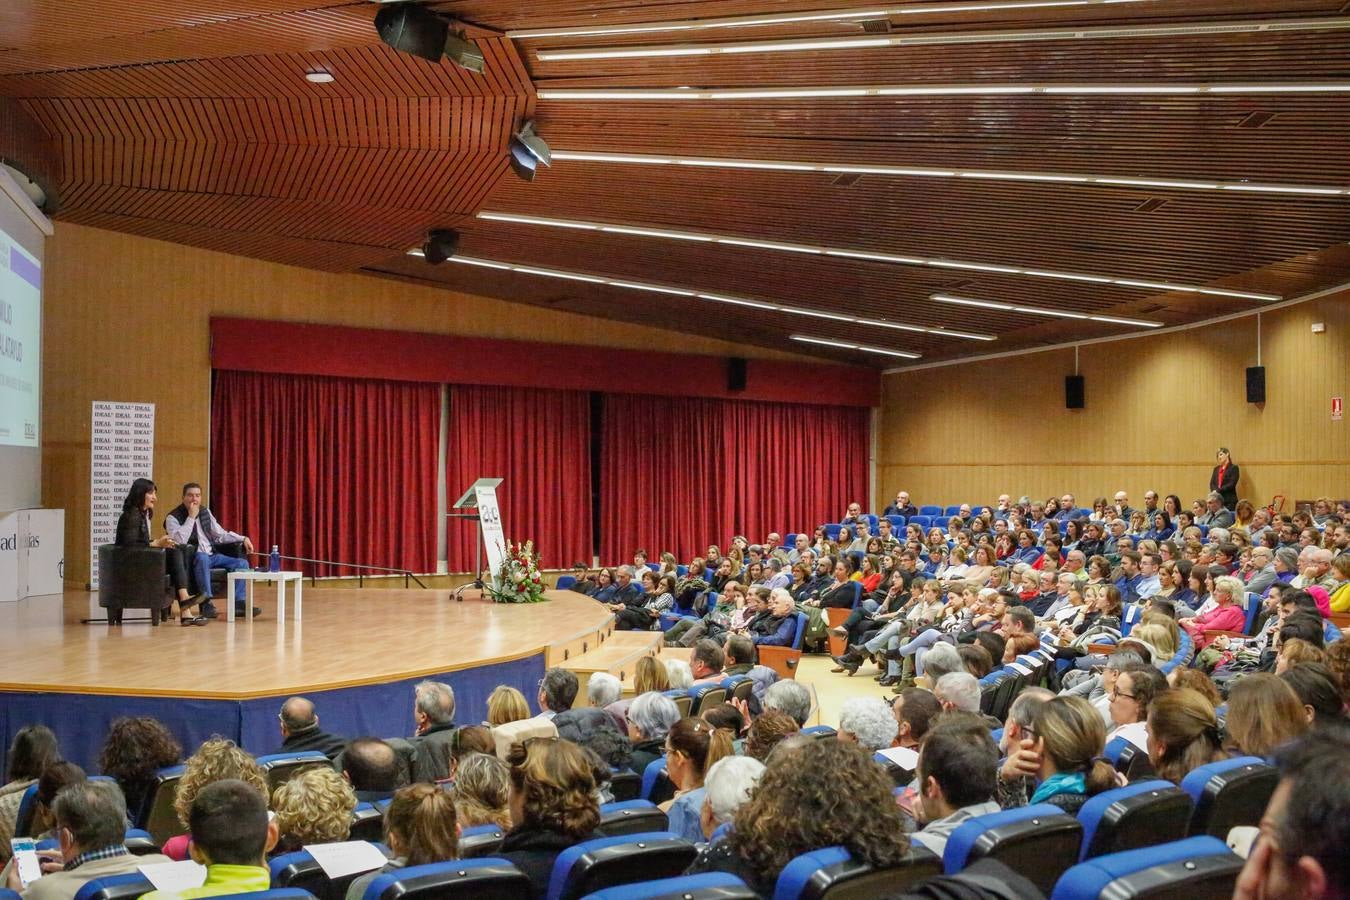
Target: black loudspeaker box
{"x": 1075, "y": 392}
{"x": 1256, "y": 384}
{"x": 735, "y": 374}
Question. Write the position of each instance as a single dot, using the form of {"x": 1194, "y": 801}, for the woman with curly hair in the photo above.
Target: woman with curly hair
{"x": 134, "y": 750}
{"x": 420, "y": 827}
{"x": 552, "y": 804}
{"x": 215, "y": 760}
{"x": 313, "y": 807}
{"x": 819, "y": 794}
{"x": 482, "y": 792}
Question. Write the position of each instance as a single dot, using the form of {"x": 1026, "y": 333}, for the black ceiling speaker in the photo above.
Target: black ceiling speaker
{"x": 409, "y": 28}
{"x": 736, "y": 371}
{"x": 1075, "y": 392}
{"x": 441, "y": 245}
{"x": 1256, "y": 384}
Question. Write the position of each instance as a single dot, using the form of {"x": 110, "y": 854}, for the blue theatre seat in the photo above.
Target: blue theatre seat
{"x": 627, "y": 859}
{"x": 1197, "y": 868}
{"x": 463, "y": 879}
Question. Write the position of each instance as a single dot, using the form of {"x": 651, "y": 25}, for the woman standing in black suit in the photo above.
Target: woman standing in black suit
{"x": 133, "y": 530}
{"x": 1224, "y": 478}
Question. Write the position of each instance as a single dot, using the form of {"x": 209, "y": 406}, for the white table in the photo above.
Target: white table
{"x": 281, "y": 578}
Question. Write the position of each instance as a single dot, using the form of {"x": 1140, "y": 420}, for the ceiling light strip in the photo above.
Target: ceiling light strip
{"x": 845, "y": 345}
{"x": 720, "y": 298}
{"x": 1177, "y": 29}
{"x": 1042, "y": 311}
{"x": 927, "y": 172}
{"x": 934, "y": 262}
{"x": 941, "y": 90}
{"x": 792, "y": 18}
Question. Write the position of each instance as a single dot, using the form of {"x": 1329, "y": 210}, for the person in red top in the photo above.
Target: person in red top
{"x": 1227, "y": 616}
{"x": 1224, "y": 478}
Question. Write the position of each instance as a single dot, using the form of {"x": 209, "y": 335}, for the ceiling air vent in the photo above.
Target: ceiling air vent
{"x": 876, "y": 26}
{"x": 1151, "y": 204}
{"x": 1256, "y": 119}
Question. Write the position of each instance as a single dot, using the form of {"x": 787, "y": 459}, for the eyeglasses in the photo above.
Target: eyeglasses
{"x": 1116, "y": 695}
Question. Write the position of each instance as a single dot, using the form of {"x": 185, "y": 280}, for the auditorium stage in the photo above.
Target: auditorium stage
{"x": 356, "y": 653}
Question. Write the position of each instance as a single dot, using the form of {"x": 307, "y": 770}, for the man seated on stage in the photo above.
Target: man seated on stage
{"x": 231, "y": 836}
{"x": 372, "y": 768}
{"x": 193, "y": 528}
{"x": 300, "y": 730}
{"x": 91, "y": 822}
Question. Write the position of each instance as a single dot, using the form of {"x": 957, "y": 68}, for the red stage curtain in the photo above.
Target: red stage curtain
{"x": 679, "y": 473}
{"x": 539, "y": 441}
{"x": 328, "y": 468}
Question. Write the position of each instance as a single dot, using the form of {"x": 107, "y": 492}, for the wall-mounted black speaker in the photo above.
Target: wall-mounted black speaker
{"x": 736, "y": 374}
{"x": 1075, "y": 392}
{"x": 1256, "y": 384}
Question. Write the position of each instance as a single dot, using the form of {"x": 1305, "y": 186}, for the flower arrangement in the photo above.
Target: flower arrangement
{"x": 518, "y": 580}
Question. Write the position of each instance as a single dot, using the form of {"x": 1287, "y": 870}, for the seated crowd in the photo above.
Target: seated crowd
{"x": 1125, "y": 658}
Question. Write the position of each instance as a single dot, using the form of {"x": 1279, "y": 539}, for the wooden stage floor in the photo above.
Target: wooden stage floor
{"x": 346, "y": 638}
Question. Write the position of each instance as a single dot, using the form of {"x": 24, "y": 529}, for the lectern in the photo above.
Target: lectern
{"x": 482, "y": 496}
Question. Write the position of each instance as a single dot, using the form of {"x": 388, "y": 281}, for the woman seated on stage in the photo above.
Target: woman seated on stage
{"x": 553, "y": 806}
{"x": 133, "y": 530}
{"x": 660, "y": 596}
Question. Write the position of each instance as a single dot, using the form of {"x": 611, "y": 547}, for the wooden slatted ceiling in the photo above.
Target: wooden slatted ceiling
{"x": 191, "y": 122}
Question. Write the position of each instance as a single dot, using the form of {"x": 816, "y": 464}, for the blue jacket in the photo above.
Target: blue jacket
{"x": 779, "y": 636}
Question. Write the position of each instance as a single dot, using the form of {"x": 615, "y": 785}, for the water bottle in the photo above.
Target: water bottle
{"x": 274, "y": 563}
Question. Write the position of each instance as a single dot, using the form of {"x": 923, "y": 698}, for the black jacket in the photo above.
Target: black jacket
{"x": 1228, "y": 487}
{"x": 533, "y": 851}
{"x": 431, "y": 753}
{"x": 840, "y": 597}
{"x": 133, "y": 529}
{"x": 647, "y": 752}
{"x": 330, "y": 745}
{"x": 629, "y": 596}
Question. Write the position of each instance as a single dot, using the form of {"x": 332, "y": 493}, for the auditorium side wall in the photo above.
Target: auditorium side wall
{"x": 1157, "y": 408}
{"x": 126, "y": 318}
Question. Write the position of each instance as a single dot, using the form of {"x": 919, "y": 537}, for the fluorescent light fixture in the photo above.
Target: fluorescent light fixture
{"x": 319, "y": 76}
{"x": 930, "y": 38}
{"x": 1041, "y": 311}
{"x": 990, "y": 89}
{"x": 844, "y": 345}
{"x": 938, "y": 331}
{"x": 925, "y": 172}
{"x": 934, "y": 262}
{"x": 791, "y": 18}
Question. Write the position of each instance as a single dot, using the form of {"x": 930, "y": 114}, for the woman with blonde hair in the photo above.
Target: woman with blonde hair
{"x": 1183, "y": 734}
{"x": 1263, "y": 713}
{"x": 692, "y": 747}
{"x": 1070, "y": 738}
{"x": 313, "y": 807}
{"x": 1155, "y": 632}
{"x": 216, "y": 759}
{"x": 420, "y": 827}
{"x": 650, "y": 675}
{"x": 506, "y": 704}
{"x": 482, "y": 792}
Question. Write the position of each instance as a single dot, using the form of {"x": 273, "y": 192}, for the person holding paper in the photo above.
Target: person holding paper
{"x": 231, "y": 836}
{"x": 91, "y": 823}
{"x": 197, "y": 532}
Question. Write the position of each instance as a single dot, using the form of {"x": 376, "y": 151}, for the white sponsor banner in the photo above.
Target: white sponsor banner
{"x": 121, "y": 449}
{"x": 490, "y": 519}
{"x": 42, "y": 551}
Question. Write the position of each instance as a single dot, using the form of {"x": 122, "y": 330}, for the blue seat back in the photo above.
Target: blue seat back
{"x": 924, "y": 520}
{"x": 1229, "y": 793}
{"x": 952, "y": 510}
{"x": 1137, "y": 815}
{"x": 115, "y": 887}
{"x": 800, "y": 633}
{"x": 655, "y": 772}
{"x": 897, "y": 523}
{"x": 931, "y": 510}
{"x": 478, "y": 841}
{"x": 704, "y": 886}
{"x": 566, "y": 582}
{"x": 1089, "y": 880}
{"x": 631, "y": 817}
{"x": 23, "y": 822}
{"x": 465, "y": 879}
{"x": 832, "y": 531}
{"x": 1038, "y": 841}
{"x": 681, "y": 570}
{"x": 627, "y": 859}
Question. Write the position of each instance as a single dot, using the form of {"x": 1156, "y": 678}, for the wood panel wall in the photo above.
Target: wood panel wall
{"x": 1157, "y": 408}
{"x": 126, "y": 318}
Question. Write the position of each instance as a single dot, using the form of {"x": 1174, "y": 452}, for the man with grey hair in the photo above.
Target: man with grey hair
{"x": 1215, "y": 514}
{"x": 867, "y": 722}
{"x": 1075, "y": 563}
{"x": 727, "y": 788}
{"x": 1317, "y": 570}
{"x": 777, "y": 577}
{"x": 626, "y": 594}
{"x": 557, "y": 692}
{"x": 1097, "y": 688}
{"x": 650, "y": 718}
{"x": 942, "y": 658}
{"x": 602, "y": 689}
{"x": 434, "y": 713}
{"x": 789, "y": 696}
{"x": 300, "y": 730}
{"x": 1262, "y": 569}
{"x": 91, "y": 823}
{"x": 961, "y": 690}
{"x": 1022, "y": 764}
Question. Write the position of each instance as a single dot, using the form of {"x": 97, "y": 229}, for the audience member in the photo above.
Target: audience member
{"x": 706, "y": 662}
{"x": 602, "y": 689}
{"x": 767, "y": 731}
{"x": 300, "y": 730}
{"x": 313, "y": 807}
{"x": 1264, "y": 713}
{"x": 680, "y": 674}
{"x": 91, "y": 820}
{"x": 135, "y": 749}
{"x": 791, "y": 697}
{"x": 867, "y": 722}
{"x": 553, "y": 806}
{"x": 1318, "y": 691}
{"x": 467, "y": 741}
{"x": 55, "y": 778}
{"x": 372, "y": 768}
{"x": 650, "y": 719}
{"x": 557, "y": 692}
{"x": 957, "y": 778}
{"x": 727, "y": 787}
{"x": 1136, "y": 687}
{"x": 506, "y": 704}
{"x": 216, "y": 760}
{"x": 482, "y": 791}
{"x": 797, "y": 808}
{"x": 915, "y": 710}
{"x": 1070, "y": 738}
{"x": 231, "y": 836}
{"x": 1183, "y": 734}
{"x": 434, "y": 714}
{"x": 32, "y": 750}
{"x": 420, "y": 827}
{"x": 692, "y": 747}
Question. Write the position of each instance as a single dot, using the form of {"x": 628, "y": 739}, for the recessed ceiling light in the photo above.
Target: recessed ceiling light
{"x": 938, "y": 331}
{"x": 935, "y": 262}
{"x": 938, "y": 90}
{"x": 319, "y": 76}
{"x": 1042, "y": 311}
{"x": 929, "y": 172}
{"x": 932, "y": 38}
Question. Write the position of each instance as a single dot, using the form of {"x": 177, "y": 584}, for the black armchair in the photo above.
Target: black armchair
{"x": 132, "y": 578}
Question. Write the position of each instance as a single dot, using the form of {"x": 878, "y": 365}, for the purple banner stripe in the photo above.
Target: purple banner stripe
{"x": 25, "y": 268}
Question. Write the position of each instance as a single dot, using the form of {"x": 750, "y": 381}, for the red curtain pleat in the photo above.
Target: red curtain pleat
{"x": 328, "y": 468}
{"x": 539, "y": 442}
{"x": 680, "y": 473}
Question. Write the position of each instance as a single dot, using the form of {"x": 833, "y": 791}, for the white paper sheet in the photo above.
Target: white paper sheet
{"x": 173, "y": 877}
{"x": 346, "y": 857}
{"x": 905, "y": 757}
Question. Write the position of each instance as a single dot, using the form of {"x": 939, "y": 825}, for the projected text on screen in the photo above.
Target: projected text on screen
{"x": 20, "y": 340}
